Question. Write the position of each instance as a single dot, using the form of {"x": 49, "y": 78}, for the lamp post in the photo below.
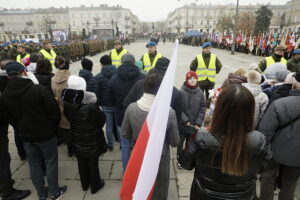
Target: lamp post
{"x": 187, "y": 15}
{"x": 235, "y": 27}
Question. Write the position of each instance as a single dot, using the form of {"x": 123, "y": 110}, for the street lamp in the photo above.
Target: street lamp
{"x": 235, "y": 27}
{"x": 187, "y": 14}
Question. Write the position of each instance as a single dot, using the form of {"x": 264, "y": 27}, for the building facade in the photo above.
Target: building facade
{"x": 292, "y": 17}
{"x": 204, "y": 18}
{"x": 20, "y": 24}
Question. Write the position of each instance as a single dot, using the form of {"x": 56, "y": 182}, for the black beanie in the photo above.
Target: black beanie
{"x": 105, "y": 60}
{"x": 162, "y": 64}
{"x": 87, "y": 64}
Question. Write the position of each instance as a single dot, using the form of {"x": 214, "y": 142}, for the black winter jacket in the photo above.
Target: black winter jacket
{"x": 45, "y": 80}
{"x": 280, "y": 91}
{"x": 86, "y": 120}
{"x": 32, "y": 108}
{"x": 120, "y": 84}
{"x": 137, "y": 92}
{"x": 103, "y": 92}
{"x": 209, "y": 182}
{"x": 90, "y": 80}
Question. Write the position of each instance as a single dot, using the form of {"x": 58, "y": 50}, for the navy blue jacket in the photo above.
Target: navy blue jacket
{"x": 120, "y": 85}
{"x": 103, "y": 91}
{"x": 90, "y": 80}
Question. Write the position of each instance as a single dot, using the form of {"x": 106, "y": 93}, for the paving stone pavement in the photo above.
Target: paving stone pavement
{"x": 110, "y": 163}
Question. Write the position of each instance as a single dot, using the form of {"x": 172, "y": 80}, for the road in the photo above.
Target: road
{"x": 110, "y": 163}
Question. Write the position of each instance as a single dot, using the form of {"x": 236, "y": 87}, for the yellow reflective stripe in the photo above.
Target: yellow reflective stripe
{"x": 147, "y": 62}
{"x": 270, "y": 60}
{"x": 49, "y": 56}
{"x": 19, "y": 58}
{"x": 207, "y": 72}
{"x": 116, "y": 58}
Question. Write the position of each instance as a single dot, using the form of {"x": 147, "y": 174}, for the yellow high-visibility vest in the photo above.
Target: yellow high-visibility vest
{"x": 205, "y": 72}
{"x": 116, "y": 58}
{"x": 19, "y": 58}
{"x": 270, "y": 60}
{"x": 147, "y": 62}
{"x": 49, "y": 56}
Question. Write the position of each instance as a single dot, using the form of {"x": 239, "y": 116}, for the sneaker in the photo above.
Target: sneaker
{"x": 43, "y": 198}
{"x": 17, "y": 194}
{"x": 178, "y": 166}
{"x": 62, "y": 191}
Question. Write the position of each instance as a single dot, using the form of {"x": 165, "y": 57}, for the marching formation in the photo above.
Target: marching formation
{"x": 231, "y": 136}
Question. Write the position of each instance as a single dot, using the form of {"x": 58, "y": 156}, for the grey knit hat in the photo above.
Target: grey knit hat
{"x": 281, "y": 75}
{"x": 128, "y": 59}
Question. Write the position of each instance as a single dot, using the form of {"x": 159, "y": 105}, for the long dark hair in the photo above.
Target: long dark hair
{"x": 233, "y": 119}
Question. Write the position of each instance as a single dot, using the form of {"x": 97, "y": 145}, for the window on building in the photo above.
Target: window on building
{"x": 207, "y": 22}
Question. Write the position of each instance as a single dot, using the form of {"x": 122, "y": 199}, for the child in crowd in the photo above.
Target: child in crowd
{"x": 193, "y": 112}
{"x": 86, "y": 120}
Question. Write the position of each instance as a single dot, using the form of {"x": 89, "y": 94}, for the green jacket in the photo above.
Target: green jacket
{"x": 293, "y": 65}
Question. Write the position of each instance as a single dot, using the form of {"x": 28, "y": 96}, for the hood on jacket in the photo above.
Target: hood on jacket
{"x": 61, "y": 76}
{"x": 253, "y": 88}
{"x": 86, "y": 74}
{"x": 78, "y": 97}
{"x": 44, "y": 78}
{"x": 236, "y": 79}
{"x": 128, "y": 72}
{"x": 108, "y": 70}
{"x": 17, "y": 87}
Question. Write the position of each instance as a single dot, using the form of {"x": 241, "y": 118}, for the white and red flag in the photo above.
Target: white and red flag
{"x": 141, "y": 171}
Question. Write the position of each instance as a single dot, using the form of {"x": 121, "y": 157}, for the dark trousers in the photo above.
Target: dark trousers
{"x": 6, "y": 186}
{"x": 289, "y": 177}
{"x": 64, "y": 135}
{"x": 205, "y": 89}
{"x": 37, "y": 154}
{"x": 89, "y": 173}
{"x": 19, "y": 143}
{"x": 183, "y": 138}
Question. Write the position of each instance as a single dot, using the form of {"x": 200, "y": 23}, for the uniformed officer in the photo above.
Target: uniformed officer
{"x": 48, "y": 52}
{"x": 149, "y": 59}
{"x": 22, "y": 53}
{"x": 278, "y": 56}
{"x": 117, "y": 53}
{"x": 207, "y": 66}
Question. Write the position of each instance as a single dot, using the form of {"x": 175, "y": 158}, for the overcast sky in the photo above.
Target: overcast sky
{"x": 146, "y": 10}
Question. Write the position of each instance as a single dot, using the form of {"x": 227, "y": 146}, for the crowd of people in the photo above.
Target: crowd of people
{"x": 230, "y": 135}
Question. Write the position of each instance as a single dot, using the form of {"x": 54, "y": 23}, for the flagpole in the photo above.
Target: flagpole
{"x": 235, "y": 27}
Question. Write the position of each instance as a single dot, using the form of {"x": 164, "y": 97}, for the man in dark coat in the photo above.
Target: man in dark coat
{"x": 294, "y": 64}
{"x": 281, "y": 124}
{"x": 37, "y": 115}
{"x": 105, "y": 96}
{"x": 137, "y": 90}
{"x": 87, "y": 74}
{"x": 120, "y": 84}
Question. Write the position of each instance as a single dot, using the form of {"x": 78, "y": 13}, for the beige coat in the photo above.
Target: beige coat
{"x": 58, "y": 83}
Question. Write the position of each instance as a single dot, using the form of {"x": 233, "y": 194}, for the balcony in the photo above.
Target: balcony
{"x": 96, "y": 18}
{"x": 25, "y": 32}
{"x": 29, "y": 23}
{"x": 7, "y": 32}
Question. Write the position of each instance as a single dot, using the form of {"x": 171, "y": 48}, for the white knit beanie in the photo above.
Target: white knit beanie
{"x": 253, "y": 77}
{"x": 76, "y": 83}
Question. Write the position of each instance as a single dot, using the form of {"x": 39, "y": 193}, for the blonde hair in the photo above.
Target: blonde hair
{"x": 254, "y": 66}
{"x": 241, "y": 72}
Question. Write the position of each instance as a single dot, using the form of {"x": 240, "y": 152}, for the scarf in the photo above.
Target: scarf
{"x": 146, "y": 102}
{"x": 189, "y": 86}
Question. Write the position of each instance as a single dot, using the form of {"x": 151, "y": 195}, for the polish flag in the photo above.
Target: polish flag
{"x": 140, "y": 175}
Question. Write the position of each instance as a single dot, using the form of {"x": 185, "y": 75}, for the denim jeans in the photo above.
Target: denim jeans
{"x": 110, "y": 120}
{"x": 126, "y": 145}
{"x": 46, "y": 152}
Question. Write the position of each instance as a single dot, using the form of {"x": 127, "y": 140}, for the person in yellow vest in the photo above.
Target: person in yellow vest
{"x": 22, "y": 54}
{"x": 206, "y": 66}
{"x": 48, "y": 52}
{"x": 117, "y": 53}
{"x": 278, "y": 56}
{"x": 149, "y": 59}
